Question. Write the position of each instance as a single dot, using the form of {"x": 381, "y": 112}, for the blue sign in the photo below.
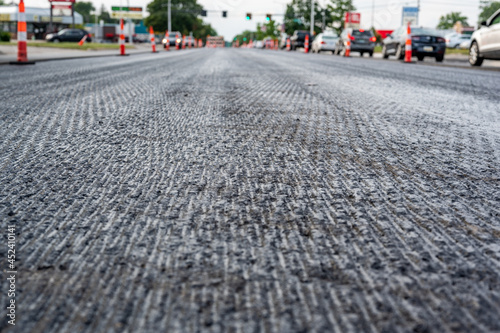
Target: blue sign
{"x": 410, "y": 14}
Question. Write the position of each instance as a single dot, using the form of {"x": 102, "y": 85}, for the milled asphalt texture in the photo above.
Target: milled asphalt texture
{"x": 251, "y": 191}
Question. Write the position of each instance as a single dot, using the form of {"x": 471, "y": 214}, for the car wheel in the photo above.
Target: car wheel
{"x": 439, "y": 58}
{"x": 362, "y": 54}
{"x": 420, "y": 58}
{"x": 474, "y": 58}
{"x": 370, "y": 54}
{"x": 56, "y": 40}
{"x": 384, "y": 52}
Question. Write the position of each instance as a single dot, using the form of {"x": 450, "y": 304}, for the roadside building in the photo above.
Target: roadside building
{"x": 37, "y": 21}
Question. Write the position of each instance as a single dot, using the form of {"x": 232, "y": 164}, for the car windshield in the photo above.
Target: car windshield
{"x": 329, "y": 37}
{"x": 424, "y": 31}
{"x": 172, "y": 35}
{"x": 62, "y": 31}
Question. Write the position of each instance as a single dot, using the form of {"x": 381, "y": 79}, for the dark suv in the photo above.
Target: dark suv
{"x": 362, "y": 41}
{"x": 298, "y": 39}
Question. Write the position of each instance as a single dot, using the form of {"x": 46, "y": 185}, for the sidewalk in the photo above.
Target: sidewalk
{"x": 8, "y": 53}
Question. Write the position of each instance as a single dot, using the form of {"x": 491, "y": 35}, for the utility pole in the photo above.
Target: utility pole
{"x": 418, "y": 13}
{"x": 373, "y": 13}
{"x": 324, "y": 18}
{"x": 312, "y": 18}
{"x": 169, "y": 17}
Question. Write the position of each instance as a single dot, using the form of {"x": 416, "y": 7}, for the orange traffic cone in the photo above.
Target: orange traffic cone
{"x": 408, "y": 44}
{"x": 122, "y": 39}
{"x": 306, "y": 44}
{"x": 189, "y": 42}
{"x": 200, "y": 43}
{"x": 288, "y": 47}
{"x": 80, "y": 43}
{"x": 152, "y": 39}
{"x": 167, "y": 45}
{"x": 183, "y": 42}
{"x": 22, "y": 49}
{"x": 348, "y": 46}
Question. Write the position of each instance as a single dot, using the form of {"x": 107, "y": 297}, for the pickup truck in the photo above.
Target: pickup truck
{"x": 298, "y": 38}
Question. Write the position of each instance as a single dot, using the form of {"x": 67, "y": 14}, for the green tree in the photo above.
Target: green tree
{"x": 489, "y": 10}
{"x": 84, "y": 8}
{"x": 105, "y": 16}
{"x": 298, "y": 16}
{"x": 338, "y": 8}
{"x": 184, "y": 17}
{"x": 449, "y": 20}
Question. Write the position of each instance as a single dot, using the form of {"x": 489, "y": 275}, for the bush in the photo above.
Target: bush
{"x": 4, "y": 36}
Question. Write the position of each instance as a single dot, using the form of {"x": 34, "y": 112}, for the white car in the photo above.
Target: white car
{"x": 324, "y": 42}
{"x": 465, "y": 45}
{"x": 454, "y": 40}
{"x": 485, "y": 42}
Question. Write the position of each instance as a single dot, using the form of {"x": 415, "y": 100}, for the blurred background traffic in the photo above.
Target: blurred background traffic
{"x": 366, "y": 27}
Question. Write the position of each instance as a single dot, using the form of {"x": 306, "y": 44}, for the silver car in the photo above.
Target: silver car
{"x": 324, "y": 42}
{"x": 485, "y": 42}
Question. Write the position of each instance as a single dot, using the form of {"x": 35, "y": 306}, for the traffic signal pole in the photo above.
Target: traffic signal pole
{"x": 169, "y": 16}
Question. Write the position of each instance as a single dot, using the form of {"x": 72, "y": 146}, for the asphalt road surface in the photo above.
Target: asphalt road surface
{"x": 250, "y": 191}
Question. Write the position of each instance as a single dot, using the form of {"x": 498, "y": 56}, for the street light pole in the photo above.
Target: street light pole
{"x": 418, "y": 13}
{"x": 312, "y": 18}
{"x": 169, "y": 17}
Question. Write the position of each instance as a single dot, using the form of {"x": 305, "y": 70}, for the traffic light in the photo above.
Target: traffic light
{"x": 249, "y": 16}
{"x": 268, "y": 17}
{"x": 244, "y": 39}
{"x": 203, "y": 13}
{"x": 224, "y": 13}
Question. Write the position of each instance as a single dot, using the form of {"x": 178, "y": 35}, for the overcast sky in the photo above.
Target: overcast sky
{"x": 387, "y": 13}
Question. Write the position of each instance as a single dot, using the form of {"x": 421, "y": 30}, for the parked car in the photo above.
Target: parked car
{"x": 172, "y": 38}
{"x": 425, "y": 42}
{"x": 362, "y": 41}
{"x": 485, "y": 42}
{"x": 324, "y": 42}
{"x": 465, "y": 45}
{"x": 68, "y": 35}
{"x": 298, "y": 39}
{"x": 454, "y": 40}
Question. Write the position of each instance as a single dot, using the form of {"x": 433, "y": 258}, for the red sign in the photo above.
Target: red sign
{"x": 354, "y": 18}
{"x": 61, "y": 6}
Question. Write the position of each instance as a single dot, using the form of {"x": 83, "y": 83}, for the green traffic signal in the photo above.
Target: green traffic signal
{"x": 249, "y": 16}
